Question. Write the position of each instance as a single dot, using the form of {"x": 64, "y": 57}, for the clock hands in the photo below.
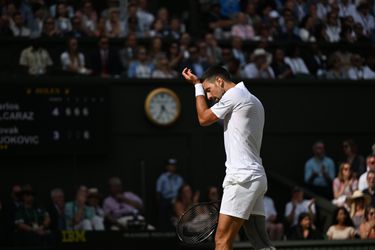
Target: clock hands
{"x": 162, "y": 109}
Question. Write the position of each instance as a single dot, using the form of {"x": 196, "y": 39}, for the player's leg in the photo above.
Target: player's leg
{"x": 226, "y": 231}
{"x": 255, "y": 229}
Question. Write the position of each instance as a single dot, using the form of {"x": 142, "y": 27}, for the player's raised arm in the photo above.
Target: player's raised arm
{"x": 205, "y": 116}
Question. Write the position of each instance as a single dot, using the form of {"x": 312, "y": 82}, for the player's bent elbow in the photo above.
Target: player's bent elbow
{"x": 204, "y": 123}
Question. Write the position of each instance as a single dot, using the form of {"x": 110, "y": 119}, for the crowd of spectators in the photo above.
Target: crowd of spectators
{"x": 340, "y": 185}
{"x": 286, "y": 38}
{"x": 25, "y": 222}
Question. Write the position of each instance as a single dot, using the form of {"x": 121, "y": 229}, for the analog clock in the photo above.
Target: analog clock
{"x": 162, "y": 107}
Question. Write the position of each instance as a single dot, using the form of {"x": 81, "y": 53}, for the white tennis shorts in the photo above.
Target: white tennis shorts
{"x": 241, "y": 199}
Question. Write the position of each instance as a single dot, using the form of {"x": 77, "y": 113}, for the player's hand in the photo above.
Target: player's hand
{"x": 189, "y": 76}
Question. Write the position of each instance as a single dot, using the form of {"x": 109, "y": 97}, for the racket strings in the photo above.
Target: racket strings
{"x": 198, "y": 223}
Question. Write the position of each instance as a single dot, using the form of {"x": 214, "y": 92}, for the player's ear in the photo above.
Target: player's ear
{"x": 220, "y": 81}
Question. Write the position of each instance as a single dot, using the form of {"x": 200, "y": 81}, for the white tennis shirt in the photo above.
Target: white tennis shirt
{"x": 243, "y": 116}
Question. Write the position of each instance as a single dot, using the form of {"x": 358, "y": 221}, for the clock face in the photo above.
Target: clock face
{"x": 162, "y": 106}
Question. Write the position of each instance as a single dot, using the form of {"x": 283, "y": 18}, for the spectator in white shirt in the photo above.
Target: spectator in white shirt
{"x": 17, "y": 26}
{"x": 333, "y": 27}
{"x": 362, "y": 183}
{"x": 72, "y": 60}
{"x": 306, "y": 32}
{"x": 35, "y": 59}
{"x": 346, "y": 8}
{"x": 145, "y": 17}
{"x": 62, "y": 20}
{"x": 323, "y": 8}
{"x": 274, "y": 228}
{"x": 359, "y": 71}
{"x": 259, "y": 68}
{"x": 298, "y": 205}
{"x": 296, "y": 63}
{"x": 364, "y": 17}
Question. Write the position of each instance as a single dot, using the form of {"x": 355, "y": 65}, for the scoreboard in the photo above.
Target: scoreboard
{"x": 62, "y": 119}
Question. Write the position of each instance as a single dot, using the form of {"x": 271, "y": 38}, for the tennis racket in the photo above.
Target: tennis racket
{"x": 198, "y": 223}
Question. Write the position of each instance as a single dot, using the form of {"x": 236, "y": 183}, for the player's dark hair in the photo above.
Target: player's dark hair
{"x": 215, "y": 71}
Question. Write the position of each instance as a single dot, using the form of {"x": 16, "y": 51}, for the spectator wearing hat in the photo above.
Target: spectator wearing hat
{"x": 32, "y": 222}
{"x": 370, "y": 165}
{"x": 259, "y": 68}
{"x": 367, "y": 227}
{"x": 342, "y": 227}
{"x": 167, "y": 186}
{"x": 120, "y": 207}
{"x": 357, "y": 203}
{"x": 370, "y": 190}
{"x": 298, "y": 205}
{"x": 93, "y": 201}
{"x": 320, "y": 171}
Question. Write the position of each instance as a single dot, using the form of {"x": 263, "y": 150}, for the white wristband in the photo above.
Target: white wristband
{"x": 199, "y": 89}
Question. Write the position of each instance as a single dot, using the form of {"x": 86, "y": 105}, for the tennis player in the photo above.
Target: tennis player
{"x": 245, "y": 182}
